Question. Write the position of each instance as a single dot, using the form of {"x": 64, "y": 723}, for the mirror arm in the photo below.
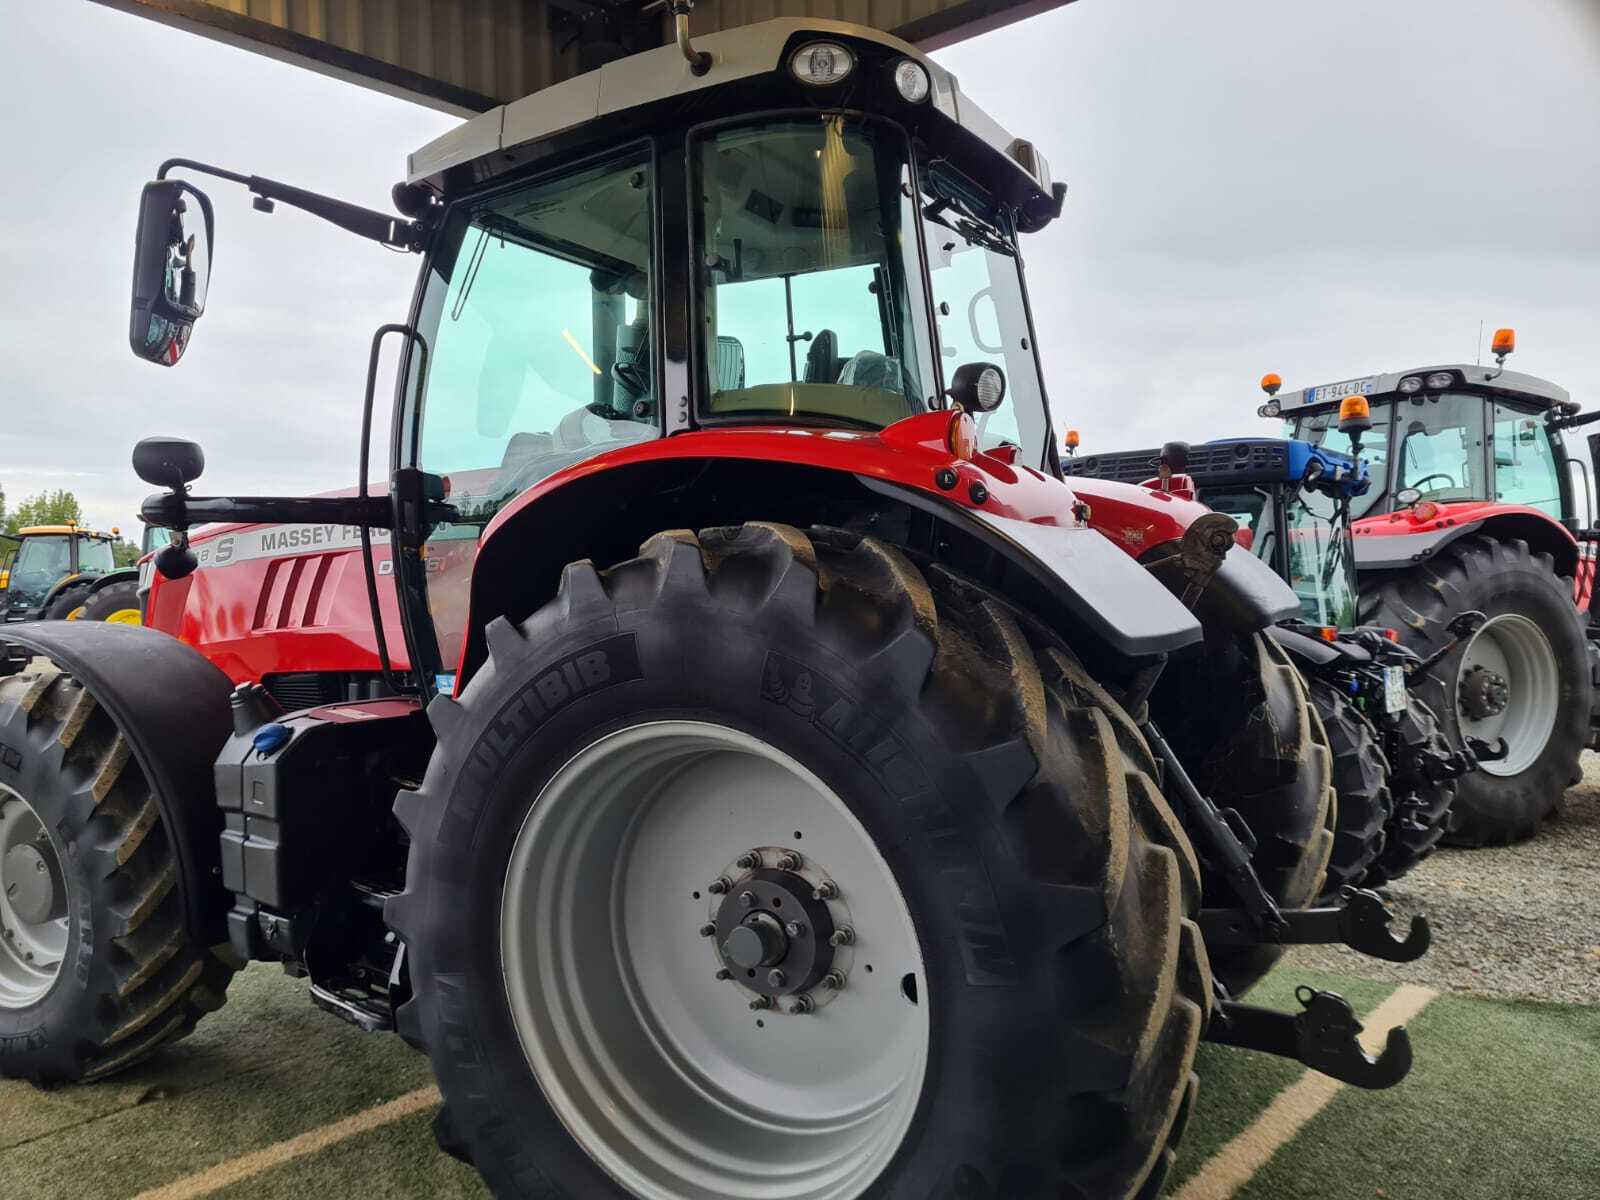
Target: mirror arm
{"x": 172, "y": 510}
{"x": 363, "y": 222}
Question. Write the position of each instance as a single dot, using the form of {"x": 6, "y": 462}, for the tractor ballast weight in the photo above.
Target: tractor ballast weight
{"x": 697, "y": 585}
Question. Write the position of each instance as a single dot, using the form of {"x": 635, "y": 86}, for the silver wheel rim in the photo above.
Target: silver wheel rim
{"x": 1514, "y": 649}
{"x": 659, "y": 1069}
{"x": 33, "y": 905}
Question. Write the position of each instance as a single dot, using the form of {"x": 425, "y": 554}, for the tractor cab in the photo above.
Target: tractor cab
{"x": 38, "y": 561}
{"x": 1451, "y": 435}
{"x": 798, "y": 225}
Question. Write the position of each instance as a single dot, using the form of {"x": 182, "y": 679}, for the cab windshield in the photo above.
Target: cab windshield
{"x": 810, "y": 276}
{"x": 40, "y": 564}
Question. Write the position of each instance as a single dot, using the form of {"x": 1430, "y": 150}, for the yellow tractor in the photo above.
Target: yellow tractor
{"x": 53, "y": 572}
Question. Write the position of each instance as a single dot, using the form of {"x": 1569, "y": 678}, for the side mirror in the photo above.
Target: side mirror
{"x": 1175, "y": 455}
{"x": 979, "y": 387}
{"x": 171, "y": 269}
{"x": 168, "y": 462}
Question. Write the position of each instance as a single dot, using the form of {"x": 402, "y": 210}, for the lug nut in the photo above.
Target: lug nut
{"x": 833, "y": 980}
{"x": 842, "y": 936}
{"x": 724, "y": 974}
{"x": 720, "y": 886}
{"x": 760, "y": 1003}
{"x": 794, "y": 929}
{"x": 789, "y": 861}
{"x": 747, "y": 899}
{"x": 707, "y": 930}
{"x": 750, "y": 860}
{"x": 826, "y": 890}
{"x": 776, "y": 978}
{"x": 801, "y": 1004}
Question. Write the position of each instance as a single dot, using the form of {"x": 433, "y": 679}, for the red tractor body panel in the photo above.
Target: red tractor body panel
{"x": 1136, "y": 517}
{"x": 277, "y": 599}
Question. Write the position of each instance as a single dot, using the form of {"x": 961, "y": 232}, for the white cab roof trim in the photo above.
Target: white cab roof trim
{"x": 661, "y": 73}
{"x": 1290, "y": 400}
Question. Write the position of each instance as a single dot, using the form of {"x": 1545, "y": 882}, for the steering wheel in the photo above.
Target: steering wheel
{"x": 1449, "y": 482}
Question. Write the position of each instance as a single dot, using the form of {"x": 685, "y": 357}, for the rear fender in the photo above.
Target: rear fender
{"x": 1245, "y": 595}
{"x": 172, "y": 706}
{"x": 124, "y": 575}
{"x": 61, "y": 585}
{"x": 1022, "y": 539}
{"x": 1395, "y": 541}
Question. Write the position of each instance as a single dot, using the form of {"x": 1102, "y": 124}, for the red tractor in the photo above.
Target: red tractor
{"x": 1477, "y": 505}
{"x": 722, "y": 746}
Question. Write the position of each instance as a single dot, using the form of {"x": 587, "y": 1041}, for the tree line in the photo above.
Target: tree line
{"x": 59, "y": 507}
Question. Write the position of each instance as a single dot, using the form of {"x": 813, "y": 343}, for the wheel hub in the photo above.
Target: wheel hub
{"x": 33, "y": 905}
{"x": 773, "y": 933}
{"x": 1484, "y": 693}
{"x": 33, "y": 884}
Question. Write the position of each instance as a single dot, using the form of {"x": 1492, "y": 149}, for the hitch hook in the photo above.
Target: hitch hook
{"x": 1323, "y": 1036}
{"x": 1365, "y": 920}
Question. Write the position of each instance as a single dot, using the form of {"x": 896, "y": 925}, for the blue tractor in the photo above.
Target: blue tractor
{"x": 1394, "y": 771}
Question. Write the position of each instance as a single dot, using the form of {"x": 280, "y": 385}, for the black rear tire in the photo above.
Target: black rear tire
{"x": 1051, "y": 887}
{"x": 1361, "y": 781}
{"x": 1422, "y": 804}
{"x": 1494, "y": 577}
{"x": 67, "y": 606}
{"x": 1241, "y": 721}
{"x": 133, "y": 978}
{"x": 116, "y": 601}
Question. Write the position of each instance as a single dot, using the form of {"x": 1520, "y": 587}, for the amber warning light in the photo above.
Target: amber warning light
{"x": 1355, "y": 414}
{"x": 1270, "y": 383}
{"x": 1505, "y": 341}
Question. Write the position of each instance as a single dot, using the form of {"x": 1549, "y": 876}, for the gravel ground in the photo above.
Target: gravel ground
{"x": 1517, "y": 921}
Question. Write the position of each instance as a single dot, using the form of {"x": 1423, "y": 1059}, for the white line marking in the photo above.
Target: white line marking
{"x": 1233, "y": 1166}
{"x": 224, "y": 1174}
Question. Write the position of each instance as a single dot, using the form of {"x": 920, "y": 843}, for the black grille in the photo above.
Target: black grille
{"x": 309, "y": 689}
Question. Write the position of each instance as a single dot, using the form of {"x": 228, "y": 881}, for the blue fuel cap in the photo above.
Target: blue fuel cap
{"x": 271, "y": 737}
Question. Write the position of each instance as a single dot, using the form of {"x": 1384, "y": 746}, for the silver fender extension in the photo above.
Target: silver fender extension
{"x": 1115, "y": 599}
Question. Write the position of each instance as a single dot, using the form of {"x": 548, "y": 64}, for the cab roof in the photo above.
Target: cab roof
{"x": 62, "y": 531}
{"x": 662, "y": 74}
{"x": 1477, "y": 377}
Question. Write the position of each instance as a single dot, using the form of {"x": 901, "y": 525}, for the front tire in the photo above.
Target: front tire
{"x": 97, "y": 966}
{"x": 1020, "y": 894}
{"x": 1423, "y": 804}
{"x": 116, "y": 604}
{"x": 1523, "y": 676}
{"x": 68, "y": 606}
{"x": 1361, "y": 782}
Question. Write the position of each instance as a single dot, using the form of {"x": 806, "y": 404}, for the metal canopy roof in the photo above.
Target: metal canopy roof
{"x": 470, "y": 55}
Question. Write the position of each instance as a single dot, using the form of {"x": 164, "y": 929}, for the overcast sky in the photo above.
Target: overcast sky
{"x": 1323, "y": 190}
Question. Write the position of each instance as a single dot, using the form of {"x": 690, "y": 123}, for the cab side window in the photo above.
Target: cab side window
{"x": 1441, "y": 447}
{"x": 1524, "y": 461}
